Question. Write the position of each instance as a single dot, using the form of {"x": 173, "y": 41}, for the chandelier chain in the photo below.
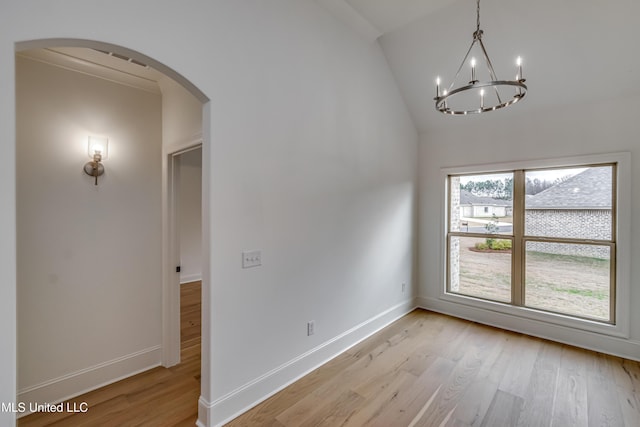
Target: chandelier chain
{"x": 478, "y": 16}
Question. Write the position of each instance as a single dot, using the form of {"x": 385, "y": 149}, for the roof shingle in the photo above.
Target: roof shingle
{"x": 590, "y": 189}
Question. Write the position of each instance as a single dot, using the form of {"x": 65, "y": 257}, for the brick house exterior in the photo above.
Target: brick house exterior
{"x": 579, "y": 207}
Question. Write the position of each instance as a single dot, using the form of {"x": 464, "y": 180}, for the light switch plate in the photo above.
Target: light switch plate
{"x": 251, "y": 259}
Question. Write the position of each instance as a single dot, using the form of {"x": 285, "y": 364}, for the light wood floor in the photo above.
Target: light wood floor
{"x": 433, "y": 370}
{"x": 159, "y": 397}
{"x": 426, "y": 369}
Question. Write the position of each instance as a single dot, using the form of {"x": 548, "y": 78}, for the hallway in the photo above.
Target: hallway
{"x": 158, "y": 397}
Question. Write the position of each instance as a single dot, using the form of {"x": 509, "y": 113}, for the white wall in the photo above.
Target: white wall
{"x": 89, "y": 259}
{"x": 312, "y": 163}
{"x": 608, "y": 126}
{"x": 190, "y": 215}
{"x": 181, "y": 128}
{"x": 310, "y": 156}
{"x": 181, "y": 116}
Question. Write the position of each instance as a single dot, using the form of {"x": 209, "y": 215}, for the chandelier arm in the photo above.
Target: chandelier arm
{"x": 455, "y": 79}
{"x": 495, "y": 89}
{"x": 492, "y": 72}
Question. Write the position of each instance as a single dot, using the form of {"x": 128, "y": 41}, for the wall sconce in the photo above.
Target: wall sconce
{"x": 98, "y": 150}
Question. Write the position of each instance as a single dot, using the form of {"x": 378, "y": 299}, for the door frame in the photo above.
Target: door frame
{"x": 171, "y": 249}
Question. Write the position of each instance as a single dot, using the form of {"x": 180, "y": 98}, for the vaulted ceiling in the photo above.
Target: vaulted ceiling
{"x": 574, "y": 51}
{"x": 390, "y": 15}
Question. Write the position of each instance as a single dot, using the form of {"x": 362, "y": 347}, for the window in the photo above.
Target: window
{"x": 545, "y": 240}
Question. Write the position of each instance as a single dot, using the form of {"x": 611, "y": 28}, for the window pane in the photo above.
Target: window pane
{"x": 482, "y": 203}
{"x": 573, "y": 203}
{"x": 568, "y": 278}
{"x": 477, "y": 271}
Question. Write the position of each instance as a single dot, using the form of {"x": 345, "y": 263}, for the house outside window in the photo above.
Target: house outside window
{"x": 544, "y": 241}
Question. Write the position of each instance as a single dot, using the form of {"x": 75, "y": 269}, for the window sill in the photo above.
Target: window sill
{"x": 614, "y": 330}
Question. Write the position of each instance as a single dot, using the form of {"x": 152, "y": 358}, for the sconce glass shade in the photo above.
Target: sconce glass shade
{"x": 98, "y": 150}
{"x": 98, "y": 145}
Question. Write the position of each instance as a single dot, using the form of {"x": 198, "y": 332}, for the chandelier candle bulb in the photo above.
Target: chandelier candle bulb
{"x": 519, "y": 63}
{"x": 482, "y": 99}
{"x": 473, "y": 70}
{"x": 437, "y": 87}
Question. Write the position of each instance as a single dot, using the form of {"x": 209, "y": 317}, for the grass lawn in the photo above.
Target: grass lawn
{"x": 567, "y": 284}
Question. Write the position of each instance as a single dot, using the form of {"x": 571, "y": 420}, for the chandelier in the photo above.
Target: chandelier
{"x": 478, "y": 96}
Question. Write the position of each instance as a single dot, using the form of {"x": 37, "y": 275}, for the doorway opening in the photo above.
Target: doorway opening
{"x": 185, "y": 200}
{"x": 101, "y": 259}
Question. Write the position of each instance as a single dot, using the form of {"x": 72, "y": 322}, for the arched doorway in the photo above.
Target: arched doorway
{"x": 74, "y": 379}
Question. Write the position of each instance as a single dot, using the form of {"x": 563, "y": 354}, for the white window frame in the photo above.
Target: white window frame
{"x": 623, "y": 244}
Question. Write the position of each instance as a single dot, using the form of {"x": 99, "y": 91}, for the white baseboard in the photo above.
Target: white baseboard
{"x": 188, "y": 278}
{"x": 88, "y": 379}
{"x": 629, "y": 349}
{"x": 238, "y": 401}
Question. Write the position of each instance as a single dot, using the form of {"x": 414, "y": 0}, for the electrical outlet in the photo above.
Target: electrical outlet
{"x": 251, "y": 259}
{"x": 311, "y": 327}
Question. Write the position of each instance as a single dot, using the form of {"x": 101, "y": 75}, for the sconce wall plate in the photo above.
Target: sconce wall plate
{"x": 94, "y": 169}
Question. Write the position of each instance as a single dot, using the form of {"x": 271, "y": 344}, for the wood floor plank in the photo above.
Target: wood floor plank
{"x": 407, "y": 408}
{"x": 299, "y": 411}
{"x": 474, "y": 403}
{"x": 338, "y": 411}
{"x": 477, "y": 350}
{"x": 477, "y": 398}
{"x": 452, "y": 339}
{"x": 380, "y": 402}
{"x": 518, "y": 374}
{"x": 629, "y": 407}
{"x": 627, "y": 378}
{"x": 539, "y": 398}
{"x": 504, "y": 410}
{"x": 412, "y": 321}
{"x": 268, "y": 410}
{"x": 570, "y": 406}
{"x": 603, "y": 406}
